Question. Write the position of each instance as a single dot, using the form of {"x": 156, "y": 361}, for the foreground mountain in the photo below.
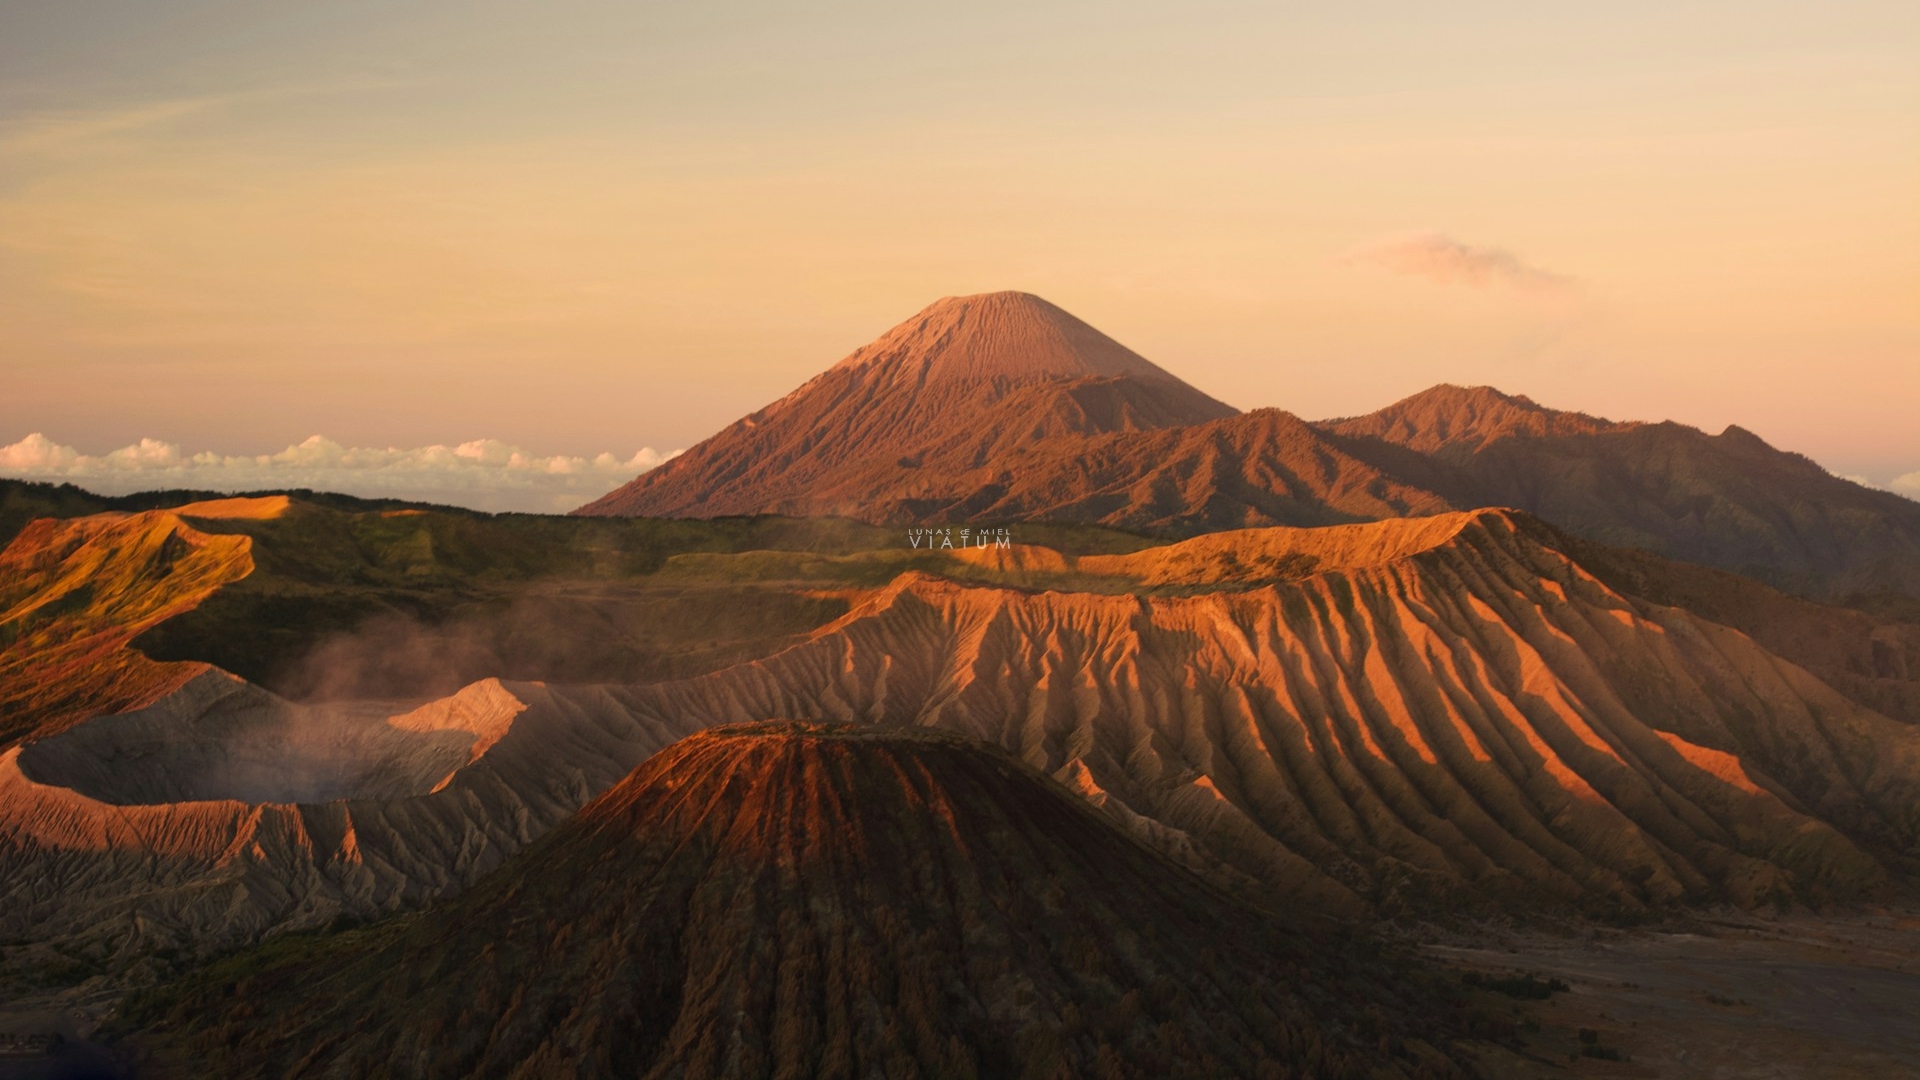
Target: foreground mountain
{"x": 1411, "y": 715}
{"x": 806, "y": 900}
{"x": 1465, "y": 712}
{"x": 1003, "y": 408}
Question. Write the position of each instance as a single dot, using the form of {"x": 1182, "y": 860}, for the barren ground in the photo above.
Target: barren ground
{"x": 1832, "y": 998}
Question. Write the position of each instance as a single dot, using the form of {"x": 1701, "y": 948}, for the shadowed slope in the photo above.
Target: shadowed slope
{"x": 1264, "y": 467}
{"x": 801, "y": 900}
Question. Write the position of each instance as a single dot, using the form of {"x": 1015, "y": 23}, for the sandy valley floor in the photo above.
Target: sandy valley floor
{"x": 1833, "y": 999}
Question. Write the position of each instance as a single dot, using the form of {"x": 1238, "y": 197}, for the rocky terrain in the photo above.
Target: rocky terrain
{"x": 1001, "y": 407}
{"x": 1451, "y": 716}
{"x": 798, "y": 899}
{"x": 1469, "y": 712}
{"x": 224, "y": 813}
{"x": 1729, "y": 997}
{"x": 75, "y": 593}
{"x": 1470, "y": 715}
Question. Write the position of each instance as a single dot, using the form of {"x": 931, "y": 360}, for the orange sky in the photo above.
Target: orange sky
{"x": 584, "y": 227}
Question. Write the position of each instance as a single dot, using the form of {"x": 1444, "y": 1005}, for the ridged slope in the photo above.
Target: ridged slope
{"x": 74, "y": 593}
{"x": 1453, "y": 422}
{"x": 239, "y": 813}
{"x": 1469, "y": 709}
{"x": 806, "y": 900}
{"x": 1483, "y": 719}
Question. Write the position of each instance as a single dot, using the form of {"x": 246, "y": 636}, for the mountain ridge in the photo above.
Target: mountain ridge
{"x": 1422, "y": 714}
{"x": 1002, "y": 408}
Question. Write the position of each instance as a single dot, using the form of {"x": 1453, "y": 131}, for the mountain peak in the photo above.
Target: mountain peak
{"x": 1450, "y": 419}
{"x": 943, "y": 399}
{"x": 1004, "y": 336}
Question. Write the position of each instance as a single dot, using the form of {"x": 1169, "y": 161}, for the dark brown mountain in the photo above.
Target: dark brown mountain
{"x": 1452, "y": 422}
{"x": 824, "y": 901}
{"x": 1728, "y": 500}
{"x": 1002, "y": 407}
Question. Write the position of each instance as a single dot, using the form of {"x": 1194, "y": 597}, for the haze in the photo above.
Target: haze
{"x": 583, "y": 227}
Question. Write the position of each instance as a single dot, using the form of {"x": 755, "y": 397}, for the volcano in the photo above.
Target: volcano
{"x": 912, "y": 416}
{"x": 798, "y": 899}
{"x": 1003, "y": 408}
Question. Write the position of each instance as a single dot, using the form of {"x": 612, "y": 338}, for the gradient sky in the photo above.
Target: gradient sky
{"x": 580, "y": 227}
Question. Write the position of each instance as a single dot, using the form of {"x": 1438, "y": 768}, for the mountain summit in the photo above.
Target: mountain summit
{"x": 947, "y": 392}
{"x": 1007, "y": 336}
{"x": 1454, "y": 422}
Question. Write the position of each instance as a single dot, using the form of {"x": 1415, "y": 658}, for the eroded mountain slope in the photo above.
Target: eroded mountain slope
{"x": 223, "y": 812}
{"x": 74, "y": 593}
{"x": 1482, "y": 718}
{"x": 808, "y": 900}
{"x": 1417, "y": 715}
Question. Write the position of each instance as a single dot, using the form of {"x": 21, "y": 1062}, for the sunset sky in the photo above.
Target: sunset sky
{"x": 578, "y": 228}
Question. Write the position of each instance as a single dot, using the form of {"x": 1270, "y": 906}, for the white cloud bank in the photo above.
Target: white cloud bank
{"x": 1441, "y": 259}
{"x": 484, "y": 474}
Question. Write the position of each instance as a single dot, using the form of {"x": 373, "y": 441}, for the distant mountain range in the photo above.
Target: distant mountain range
{"x": 1002, "y": 407}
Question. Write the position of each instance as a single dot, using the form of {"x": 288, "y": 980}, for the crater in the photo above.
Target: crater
{"x": 219, "y": 738}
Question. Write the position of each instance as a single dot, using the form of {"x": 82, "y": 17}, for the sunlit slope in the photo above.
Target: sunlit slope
{"x": 223, "y": 812}
{"x": 1002, "y": 407}
{"x": 1467, "y": 710}
{"x": 74, "y": 593}
{"x": 808, "y": 900}
{"x": 1483, "y": 718}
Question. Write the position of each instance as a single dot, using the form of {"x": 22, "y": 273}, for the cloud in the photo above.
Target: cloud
{"x": 1442, "y": 259}
{"x": 485, "y": 474}
{"x": 54, "y": 131}
{"x": 1907, "y": 484}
